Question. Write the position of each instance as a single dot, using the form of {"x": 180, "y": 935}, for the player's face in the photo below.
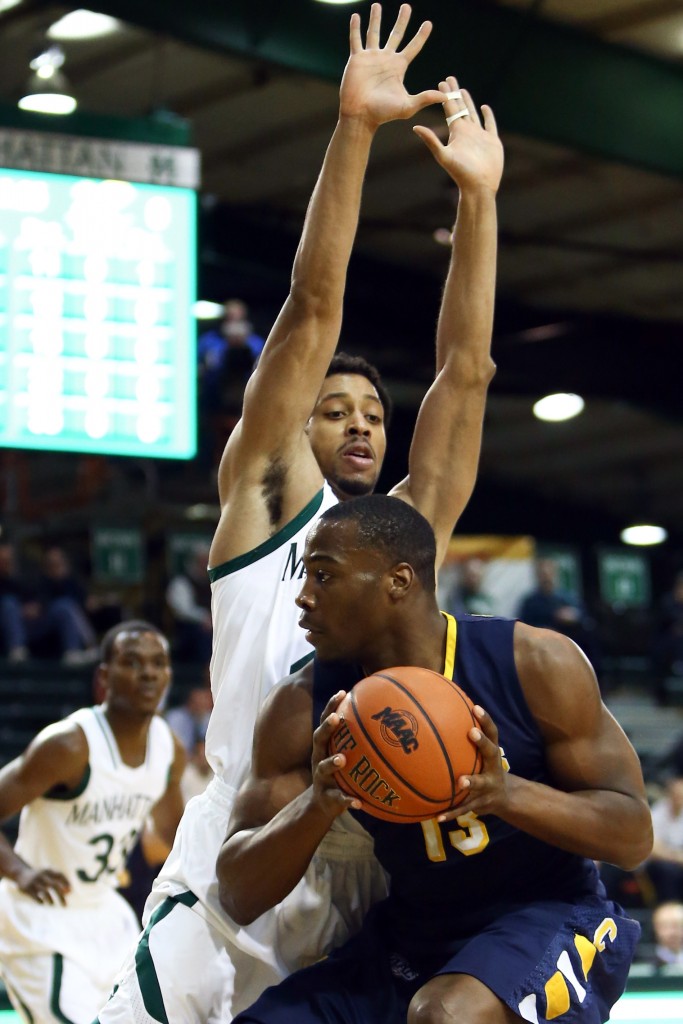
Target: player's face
{"x": 346, "y": 432}
{"x": 342, "y": 600}
{"x": 138, "y": 673}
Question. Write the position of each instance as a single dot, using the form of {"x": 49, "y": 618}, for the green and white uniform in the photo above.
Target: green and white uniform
{"x": 59, "y": 962}
{"x": 204, "y": 966}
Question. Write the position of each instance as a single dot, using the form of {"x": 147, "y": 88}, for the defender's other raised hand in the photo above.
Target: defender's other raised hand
{"x": 473, "y": 155}
{"x": 372, "y": 88}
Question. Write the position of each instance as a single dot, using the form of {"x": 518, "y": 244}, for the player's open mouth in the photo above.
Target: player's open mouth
{"x": 359, "y": 455}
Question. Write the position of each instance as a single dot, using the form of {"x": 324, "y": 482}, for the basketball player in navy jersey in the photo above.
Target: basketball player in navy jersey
{"x": 491, "y": 917}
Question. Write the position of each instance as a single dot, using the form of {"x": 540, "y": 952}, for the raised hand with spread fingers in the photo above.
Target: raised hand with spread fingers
{"x": 372, "y": 87}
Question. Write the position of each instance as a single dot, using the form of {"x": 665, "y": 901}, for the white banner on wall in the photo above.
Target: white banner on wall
{"x": 508, "y": 569}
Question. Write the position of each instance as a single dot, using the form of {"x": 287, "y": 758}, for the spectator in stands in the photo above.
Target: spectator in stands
{"x": 61, "y": 615}
{"x": 667, "y": 926}
{"x": 668, "y": 653}
{"x": 14, "y": 599}
{"x": 665, "y": 864}
{"x": 190, "y": 719}
{"x": 671, "y": 761}
{"x": 467, "y": 594}
{"x": 227, "y": 354}
{"x": 188, "y": 596}
{"x": 550, "y": 607}
{"x": 51, "y": 612}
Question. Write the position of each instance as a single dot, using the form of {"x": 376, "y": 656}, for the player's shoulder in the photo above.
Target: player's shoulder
{"x": 536, "y": 647}
{"x": 285, "y": 723}
{"x": 291, "y": 695}
{"x": 62, "y": 742}
{"x": 553, "y": 671}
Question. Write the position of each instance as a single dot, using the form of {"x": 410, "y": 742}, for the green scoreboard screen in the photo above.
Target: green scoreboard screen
{"x": 97, "y": 339}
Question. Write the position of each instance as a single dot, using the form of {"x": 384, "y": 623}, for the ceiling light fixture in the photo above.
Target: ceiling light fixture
{"x": 82, "y": 24}
{"x": 48, "y": 90}
{"x": 644, "y": 534}
{"x": 554, "y": 408}
{"x": 338, "y": 2}
{"x": 203, "y": 309}
{"x": 7, "y": 5}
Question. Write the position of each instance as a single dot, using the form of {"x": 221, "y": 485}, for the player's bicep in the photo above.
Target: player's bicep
{"x": 281, "y": 755}
{"x": 280, "y": 394}
{"x": 599, "y": 756}
{"x": 585, "y": 747}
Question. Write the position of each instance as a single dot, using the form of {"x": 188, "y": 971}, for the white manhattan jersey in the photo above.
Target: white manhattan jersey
{"x": 256, "y": 637}
{"x": 87, "y": 833}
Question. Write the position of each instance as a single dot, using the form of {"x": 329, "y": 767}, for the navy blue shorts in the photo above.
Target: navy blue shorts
{"x": 545, "y": 960}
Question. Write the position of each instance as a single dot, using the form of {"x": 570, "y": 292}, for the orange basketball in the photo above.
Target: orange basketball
{"x": 404, "y": 735}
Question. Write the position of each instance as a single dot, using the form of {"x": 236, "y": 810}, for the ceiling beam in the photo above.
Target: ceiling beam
{"x": 545, "y": 80}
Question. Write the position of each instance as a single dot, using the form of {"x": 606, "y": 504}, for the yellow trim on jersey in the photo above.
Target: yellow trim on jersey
{"x": 451, "y": 637}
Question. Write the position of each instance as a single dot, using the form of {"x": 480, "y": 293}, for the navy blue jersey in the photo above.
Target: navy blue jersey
{"x": 451, "y": 880}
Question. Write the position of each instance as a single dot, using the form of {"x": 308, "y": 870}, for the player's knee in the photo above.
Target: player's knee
{"x": 435, "y": 1003}
{"x": 456, "y": 999}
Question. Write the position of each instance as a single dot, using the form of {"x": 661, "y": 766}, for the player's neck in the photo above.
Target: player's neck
{"x": 419, "y": 641}
{"x": 130, "y": 732}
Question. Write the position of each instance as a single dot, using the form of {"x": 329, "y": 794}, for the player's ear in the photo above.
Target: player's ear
{"x": 401, "y": 578}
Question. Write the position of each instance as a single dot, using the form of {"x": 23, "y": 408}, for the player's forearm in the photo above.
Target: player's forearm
{"x": 601, "y": 824}
{"x": 258, "y": 867}
{"x": 463, "y": 339}
{"x": 304, "y": 337}
{"x": 322, "y": 258}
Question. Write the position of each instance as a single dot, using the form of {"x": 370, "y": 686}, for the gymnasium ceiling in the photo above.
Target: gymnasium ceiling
{"x": 589, "y": 99}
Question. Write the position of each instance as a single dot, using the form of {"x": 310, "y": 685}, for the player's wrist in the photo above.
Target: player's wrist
{"x": 477, "y": 192}
{"x": 357, "y": 124}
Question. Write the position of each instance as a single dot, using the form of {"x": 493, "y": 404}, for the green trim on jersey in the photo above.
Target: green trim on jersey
{"x": 62, "y": 792}
{"x": 58, "y": 961}
{"x": 106, "y": 731}
{"x": 150, "y": 988}
{"x": 301, "y": 662}
{"x": 274, "y": 542}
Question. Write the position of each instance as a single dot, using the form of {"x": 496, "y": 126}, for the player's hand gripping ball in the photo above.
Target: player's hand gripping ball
{"x": 403, "y": 733}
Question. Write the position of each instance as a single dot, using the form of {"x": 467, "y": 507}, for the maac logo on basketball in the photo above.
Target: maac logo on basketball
{"x": 398, "y": 728}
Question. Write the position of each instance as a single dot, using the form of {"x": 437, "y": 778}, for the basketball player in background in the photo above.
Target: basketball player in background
{"x": 306, "y": 441}
{"x": 499, "y": 914}
{"x": 85, "y": 787}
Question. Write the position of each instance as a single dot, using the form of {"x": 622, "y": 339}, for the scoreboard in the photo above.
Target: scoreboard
{"x": 97, "y": 338}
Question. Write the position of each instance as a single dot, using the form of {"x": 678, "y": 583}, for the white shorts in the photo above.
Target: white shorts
{"x": 59, "y": 963}
{"x": 52, "y": 990}
{"x": 194, "y": 965}
{"x": 181, "y": 972}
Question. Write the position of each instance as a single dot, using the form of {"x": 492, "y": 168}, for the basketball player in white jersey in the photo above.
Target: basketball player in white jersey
{"x": 282, "y": 467}
{"x": 85, "y": 787}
